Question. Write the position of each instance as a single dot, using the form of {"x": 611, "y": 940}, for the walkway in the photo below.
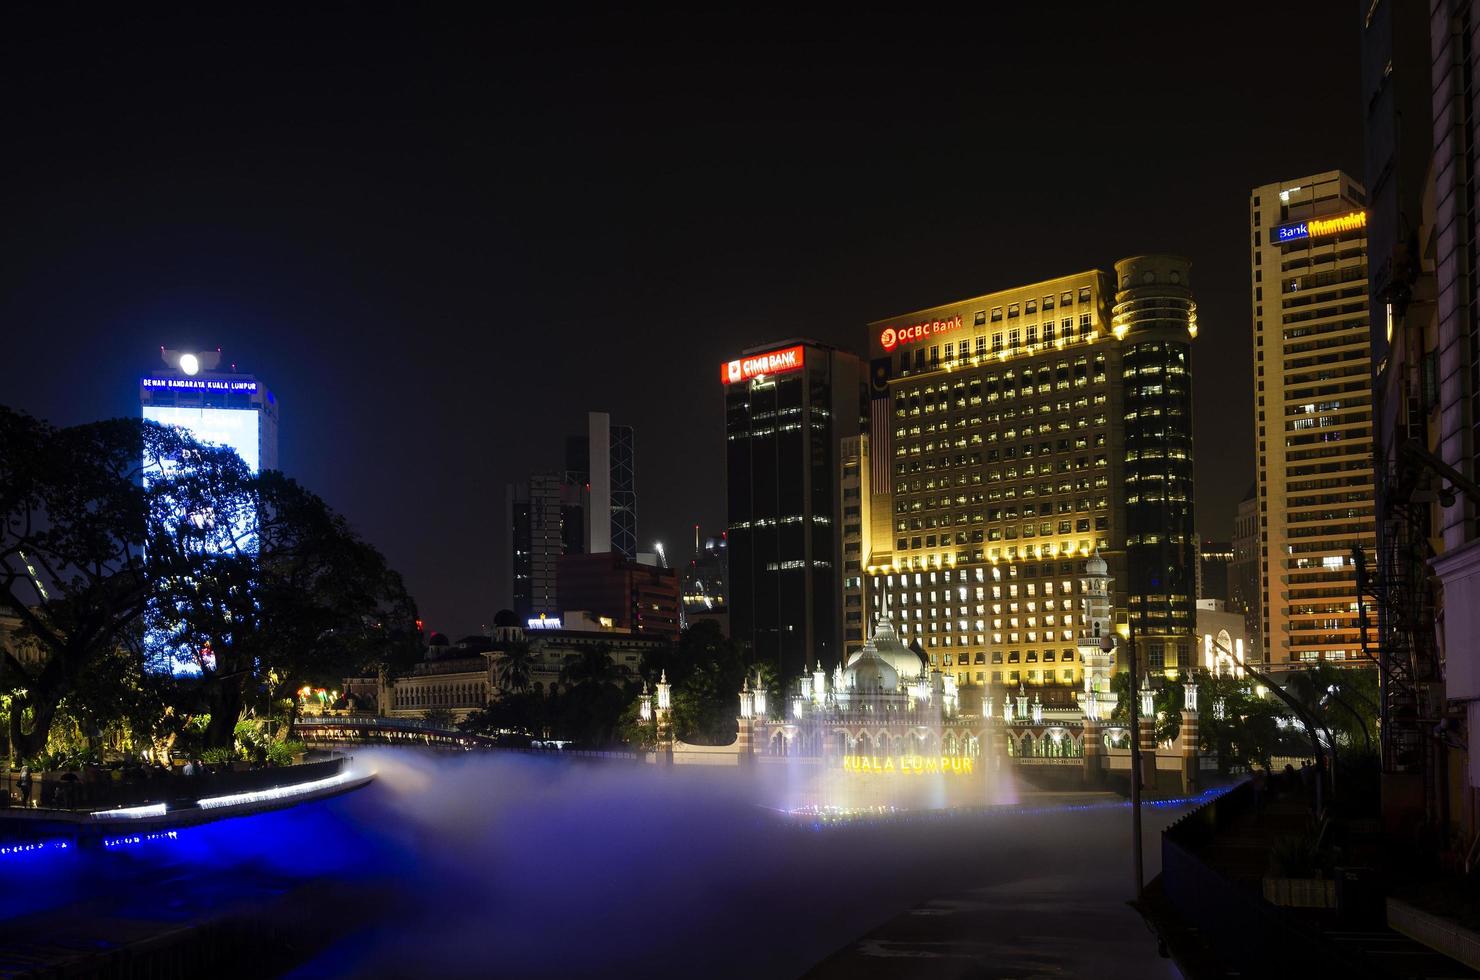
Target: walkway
{"x": 1065, "y": 914}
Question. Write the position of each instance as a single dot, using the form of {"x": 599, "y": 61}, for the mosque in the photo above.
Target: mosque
{"x": 886, "y": 711}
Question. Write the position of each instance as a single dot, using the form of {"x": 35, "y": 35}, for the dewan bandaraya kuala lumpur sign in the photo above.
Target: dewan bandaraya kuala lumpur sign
{"x": 198, "y": 384}
{"x": 755, "y": 365}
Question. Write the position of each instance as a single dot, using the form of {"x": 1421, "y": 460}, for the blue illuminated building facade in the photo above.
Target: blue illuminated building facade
{"x": 217, "y": 407}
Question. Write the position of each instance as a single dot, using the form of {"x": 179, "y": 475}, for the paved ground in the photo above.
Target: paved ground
{"x": 1050, "y": 926}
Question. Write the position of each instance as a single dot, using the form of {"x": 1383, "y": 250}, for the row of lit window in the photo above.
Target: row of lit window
{"x": 1014, "y": 677}
{"x": 1027, "y": 552}
{"x": 1012, "y": 657}
{"x": 1051, "y": 334}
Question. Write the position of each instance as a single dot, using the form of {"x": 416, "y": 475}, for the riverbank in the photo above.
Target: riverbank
{"x": 175, "y": 802}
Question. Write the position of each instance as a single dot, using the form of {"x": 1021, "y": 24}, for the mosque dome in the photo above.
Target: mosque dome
{"x": 868, "y": 673}
{"x": 885, "y": 646}
{"x": 506, "y": 617}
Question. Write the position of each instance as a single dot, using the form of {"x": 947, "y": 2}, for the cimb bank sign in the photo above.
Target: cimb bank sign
{"x": 771, "y": 362}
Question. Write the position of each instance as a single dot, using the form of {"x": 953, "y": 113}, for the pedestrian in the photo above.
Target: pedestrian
{"x": 1307, "y": 776}
{"x": 1261, "y": 781}
{"x": 189, "y": 767}
{"x": 1291, "y": 780}
{"x": 24, "y": 785}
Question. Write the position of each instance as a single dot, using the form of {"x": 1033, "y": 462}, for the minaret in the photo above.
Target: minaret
{"x": 1095, "y": 627}
{"x": 1095, "y": 624}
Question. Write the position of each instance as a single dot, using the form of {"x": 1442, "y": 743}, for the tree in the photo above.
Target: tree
{"x": 1248, "y": 733}
{"x": 707, "y": 670}
{"x": 74, "y": 526}
{"x": 528, "y": 712}
{"x": 593, "y": 666}
{"x": 261, "y": 575}
{"x": 597, "y": 689}
{"x": 513, "y": 666}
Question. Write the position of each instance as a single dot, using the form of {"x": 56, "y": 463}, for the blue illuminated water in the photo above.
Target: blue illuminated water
{"x": 526, "y": 866}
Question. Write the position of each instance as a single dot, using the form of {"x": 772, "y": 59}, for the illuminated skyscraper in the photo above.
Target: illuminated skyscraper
{"x": 1012, "y": 436}
{"x": 1313, "y": 413}
{"x": 788, "y": 409}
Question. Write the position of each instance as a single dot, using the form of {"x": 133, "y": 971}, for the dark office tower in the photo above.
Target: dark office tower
{"x": 1244, "y": 594}
{"x": 623, "y": 468}
{"x": 536, "y": 541}
{"x": 603, "y": 463}
{"x": 1155, "y": 319}
{"x": 788, "y": 409}
{"x": 1215, "y": 561}
{"x": 516, "y": 519}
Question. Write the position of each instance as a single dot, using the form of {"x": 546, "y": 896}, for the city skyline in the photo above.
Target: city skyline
{"x": 408, "y": 362}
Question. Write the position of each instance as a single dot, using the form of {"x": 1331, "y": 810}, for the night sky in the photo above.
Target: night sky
{"x": 441, "y": 242}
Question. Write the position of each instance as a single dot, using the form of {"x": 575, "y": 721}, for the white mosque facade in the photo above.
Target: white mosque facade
{"x": 886, "y": 706}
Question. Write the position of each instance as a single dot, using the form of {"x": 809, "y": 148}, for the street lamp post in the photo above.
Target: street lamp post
{"x": 1135, "y": 760}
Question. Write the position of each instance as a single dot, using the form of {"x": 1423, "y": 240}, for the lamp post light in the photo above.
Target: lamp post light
{"x": 1135, "y": 757}
{"x": 665, "y": 718}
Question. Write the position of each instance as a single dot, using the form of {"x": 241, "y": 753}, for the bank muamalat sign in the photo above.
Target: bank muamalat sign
{"x": 755, "y": 365}
{"x": 1319, "y": 227}
{"x": 892, "y": 337}
{"x": 909, "y": 765}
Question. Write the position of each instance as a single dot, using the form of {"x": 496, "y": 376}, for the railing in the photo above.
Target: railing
{"x": 49, "y": 791}
{"x": 352, "y": 721}
{"x": 366, "y": 729}
{"x": 1244, "y": 930}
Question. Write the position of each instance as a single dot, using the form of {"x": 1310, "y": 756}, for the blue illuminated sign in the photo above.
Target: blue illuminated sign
{"x": 1289, "y": 233}
{"x": 1319, "y": 227}
{"x": 199, "y": 384}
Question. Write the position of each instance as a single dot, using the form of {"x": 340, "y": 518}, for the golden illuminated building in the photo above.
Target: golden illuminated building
{"x": 998, "y": 463}
{"x": 1313, "y": 413}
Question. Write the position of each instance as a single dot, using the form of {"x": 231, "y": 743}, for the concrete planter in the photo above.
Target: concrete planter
{"x": 1301, "y": 893}
{"x": 1437, "y": 933}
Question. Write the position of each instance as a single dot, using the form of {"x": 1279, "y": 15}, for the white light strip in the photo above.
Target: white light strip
{"x": 131, "y": 812}
{"x": 276, "y": 793}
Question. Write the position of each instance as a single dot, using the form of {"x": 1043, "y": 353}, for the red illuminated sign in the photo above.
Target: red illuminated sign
{"x": 771, "y": 362}
{"x": 892, "y": 337}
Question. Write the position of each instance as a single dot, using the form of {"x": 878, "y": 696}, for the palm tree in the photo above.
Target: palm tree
{"x": 513, "y": 666}
{"x": 593, "y": 666}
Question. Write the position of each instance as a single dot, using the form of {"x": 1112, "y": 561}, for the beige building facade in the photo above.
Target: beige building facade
{"x": 1313, "y": 414}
